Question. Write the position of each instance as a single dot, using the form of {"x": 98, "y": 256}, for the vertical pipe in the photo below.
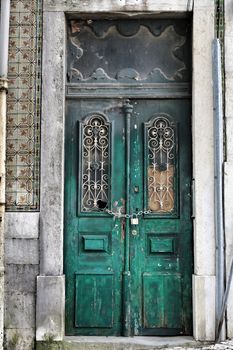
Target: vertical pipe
{"x": 218, "y": 176}
{"x": 128, "y": 108}
{"x": 3, "y": 92}
{"x": 4, "y": 42}
{"x": 4, "y": 37}
{"x": 224, "y": 305}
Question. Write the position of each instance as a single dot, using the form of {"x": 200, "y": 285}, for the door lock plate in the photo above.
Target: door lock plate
{"x": 134, "y": 221}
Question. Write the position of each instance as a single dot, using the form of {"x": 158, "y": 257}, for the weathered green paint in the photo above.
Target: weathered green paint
{"x": 128, "y": 109}
{"x": 98, "y": 266}
{"x": 161, "y": 245}
{"x": 116, "y": 282}
{"x": 122, "y": 276}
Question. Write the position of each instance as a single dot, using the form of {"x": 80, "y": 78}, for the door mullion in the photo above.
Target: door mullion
{"x": 128, "y": 108}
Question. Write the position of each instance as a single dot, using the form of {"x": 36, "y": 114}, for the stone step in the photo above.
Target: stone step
{"x": 123, "y": 343}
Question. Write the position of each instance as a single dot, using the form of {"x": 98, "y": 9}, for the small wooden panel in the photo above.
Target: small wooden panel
{"x": 161, "y": 245}
{"x": 94, "y": 301}
{"x": 162, "y": 301}
{"x": 95, "y": 243}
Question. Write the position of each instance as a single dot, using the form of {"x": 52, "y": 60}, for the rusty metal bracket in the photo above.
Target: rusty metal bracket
{"x": 4, "y": 84}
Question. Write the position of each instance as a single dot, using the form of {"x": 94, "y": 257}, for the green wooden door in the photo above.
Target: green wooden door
{"x": 94, "y": 240}
{"x": 128, "y": 228}
{"x": 129, "y": 273}
{"x": 161, "y": 243}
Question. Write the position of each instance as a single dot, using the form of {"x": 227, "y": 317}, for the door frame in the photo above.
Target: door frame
{"x": 50, "y": 316}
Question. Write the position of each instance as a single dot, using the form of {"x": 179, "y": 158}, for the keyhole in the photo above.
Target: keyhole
{"x": 101, "y": 204}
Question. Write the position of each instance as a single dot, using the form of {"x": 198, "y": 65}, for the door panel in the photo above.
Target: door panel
{"x": 94, "y": 301}
{"x": 106, "y": 293}
{"x": 163, "y": 291}
{"x": 162, "y": 247}
{"x": 94, "y": 242}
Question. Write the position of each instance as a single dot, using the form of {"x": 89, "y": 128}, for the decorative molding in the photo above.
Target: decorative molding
{"x": 156, "y": 90}
{"x": 157, "y": 6}
{"x": 163, "y": 59}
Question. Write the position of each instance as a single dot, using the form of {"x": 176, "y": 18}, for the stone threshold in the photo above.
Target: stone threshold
{"x": 122, "y": 343}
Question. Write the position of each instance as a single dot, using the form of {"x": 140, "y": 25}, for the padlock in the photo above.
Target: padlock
{"x": 134, "y": 221}
{"x": 134, "y": 232}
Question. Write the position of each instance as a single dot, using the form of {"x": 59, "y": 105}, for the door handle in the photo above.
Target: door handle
{"x": 134, "y": 232}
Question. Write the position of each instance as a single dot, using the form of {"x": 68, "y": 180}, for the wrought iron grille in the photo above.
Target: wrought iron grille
{"x": 161, "y": 153}
{"x": 95, "y": 135}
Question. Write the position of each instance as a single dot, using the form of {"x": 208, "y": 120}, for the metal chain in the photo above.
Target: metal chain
{"x": 128, "y": 216}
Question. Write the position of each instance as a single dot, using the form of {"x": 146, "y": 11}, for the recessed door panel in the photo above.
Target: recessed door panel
{"x": 162, "y": 306}
{"x": 94, "y": 301}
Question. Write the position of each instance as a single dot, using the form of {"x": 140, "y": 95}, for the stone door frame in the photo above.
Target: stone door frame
{"x": 50, "y": 315}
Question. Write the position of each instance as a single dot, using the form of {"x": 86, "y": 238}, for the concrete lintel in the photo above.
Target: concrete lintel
{"x": 50, "y": 307}
{"x": 204, "y": 308}
{"x": 156, "y": 6}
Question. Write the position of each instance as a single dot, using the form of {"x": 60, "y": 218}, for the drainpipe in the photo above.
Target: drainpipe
{"x": 218, "y": 176}
{"x": 4, "y": 42}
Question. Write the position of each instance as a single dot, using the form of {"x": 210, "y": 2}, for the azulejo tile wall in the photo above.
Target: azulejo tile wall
{"x": 23, "y": 115}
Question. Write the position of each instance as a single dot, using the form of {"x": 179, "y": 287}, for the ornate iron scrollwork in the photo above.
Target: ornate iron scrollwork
{"x": 161, "y": 154}
{"x": 95, "y": 135}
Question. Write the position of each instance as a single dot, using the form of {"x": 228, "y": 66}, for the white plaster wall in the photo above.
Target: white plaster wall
{"x": 228, "y": 168}
{"x": 203, "y": 172}
{"x": 202, "y": 130}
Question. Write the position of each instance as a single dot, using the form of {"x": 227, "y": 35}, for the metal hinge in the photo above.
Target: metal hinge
{"x": 190, "y": 5}
{"x": 193, "y": 198}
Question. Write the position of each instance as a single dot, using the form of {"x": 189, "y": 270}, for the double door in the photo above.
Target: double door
{"x": 128, "y": 229}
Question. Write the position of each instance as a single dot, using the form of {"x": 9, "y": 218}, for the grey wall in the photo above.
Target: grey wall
{"x": 21, "y": 269}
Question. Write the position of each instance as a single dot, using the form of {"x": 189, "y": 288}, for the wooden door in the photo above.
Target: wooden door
{"x": 128, "y": 228}
{"x": 160, "y": 197}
